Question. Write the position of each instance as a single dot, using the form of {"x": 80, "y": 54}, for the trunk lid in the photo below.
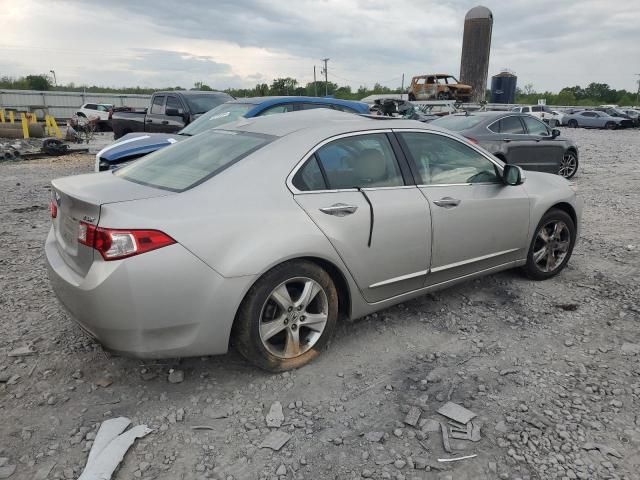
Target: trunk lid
{"x": 78, "y": 199}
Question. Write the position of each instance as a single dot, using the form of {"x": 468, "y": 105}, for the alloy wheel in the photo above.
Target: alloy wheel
{"x": 551, "y": 246}
{"x": 293, "y": 317}
{"x": 568, "y": 165}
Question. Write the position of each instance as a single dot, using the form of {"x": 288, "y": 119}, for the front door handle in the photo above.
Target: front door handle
{"x": 506, "y": 140}
{"x": 447, "y": 202}
{"x": 149, "y": 120}
{"x": 339, "y": 209}
{"x": 165, "y": 122}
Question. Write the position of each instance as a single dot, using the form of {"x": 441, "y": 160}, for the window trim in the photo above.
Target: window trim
{"x": 409, "y": 182}
{"x": 411, "y": 160}
{"x": 535, "y": 134}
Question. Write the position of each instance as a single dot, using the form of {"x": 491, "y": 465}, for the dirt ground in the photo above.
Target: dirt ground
{"x": 552, "y": 369}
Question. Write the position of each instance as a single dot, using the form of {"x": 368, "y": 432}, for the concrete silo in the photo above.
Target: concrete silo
{"x": 476, "y": 45}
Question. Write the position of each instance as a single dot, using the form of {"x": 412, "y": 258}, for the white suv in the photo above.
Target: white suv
{"x": 542, "y": 112}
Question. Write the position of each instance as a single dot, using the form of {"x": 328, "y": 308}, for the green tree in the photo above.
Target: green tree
{"x": 38, "y": 82}
{"x": 565, "y": 97}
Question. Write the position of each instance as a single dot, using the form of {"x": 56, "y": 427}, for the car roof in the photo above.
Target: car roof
{"x": 321, "y": 122}
{"x": 490, "y": 114}
{"x": 193, "y": 92}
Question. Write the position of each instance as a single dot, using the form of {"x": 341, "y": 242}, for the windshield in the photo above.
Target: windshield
{"x": 225, "y": 113}
{"x": 199, "y": 104}
{"x": 186, "y": 164}
{"x": 457, "y": 123}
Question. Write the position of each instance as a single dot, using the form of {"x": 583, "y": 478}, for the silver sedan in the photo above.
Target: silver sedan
{"x": 266, "y": 232}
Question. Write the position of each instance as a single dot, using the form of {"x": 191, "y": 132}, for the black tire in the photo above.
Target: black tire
{"x": 532, "y": 269}
{"x": 569, "y": 166}
{"x": 573, "y": 123}
{"x": 412, "y": 97}
{"x": 246, "y": 332}
{"x": 443, "y": 96}
{"x": 610, "y": 125}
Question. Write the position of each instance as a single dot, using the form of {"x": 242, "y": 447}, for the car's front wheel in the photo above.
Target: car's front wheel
{"x": 568, "y": 165}
{"x": 551, "y": 246}
{"x": 573, "y": 123}
{"x": 287, "y": 317}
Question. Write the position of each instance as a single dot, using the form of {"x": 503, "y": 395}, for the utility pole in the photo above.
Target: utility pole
{"x": 55, "y": 81}
{"x": 638, "y": 93}
{"x": 402, "y": 87}
{"x": 315, "y": 83}
{"x": 326, "y": 73}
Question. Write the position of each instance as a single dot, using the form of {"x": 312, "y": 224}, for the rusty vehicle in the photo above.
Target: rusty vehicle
{"x": 439, "y": 86}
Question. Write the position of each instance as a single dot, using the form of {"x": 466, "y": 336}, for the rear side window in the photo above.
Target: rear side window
{"x": 360, "y": 161}
{"x": 158, "y": 104}
{"x": 186, "y": 164}
{"x": 536, "y": 109}
{"x": 173, "y": 102}
{"x": 283, "y": 108}
{"x": 511, "y": 125}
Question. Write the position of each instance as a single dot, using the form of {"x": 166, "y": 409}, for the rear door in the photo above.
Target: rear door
{"x": 547, "y": 151}
{"x": 517, "y": 145}
{"x": 477, "y": 221}
{"x": 380, "y": 228}
{"x": 155, "y": 116}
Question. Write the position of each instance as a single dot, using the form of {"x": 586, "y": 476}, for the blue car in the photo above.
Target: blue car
{"x": 135, "y": 145}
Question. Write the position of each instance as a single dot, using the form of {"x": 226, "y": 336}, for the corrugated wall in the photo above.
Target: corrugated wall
{"x": 63, "y": 105}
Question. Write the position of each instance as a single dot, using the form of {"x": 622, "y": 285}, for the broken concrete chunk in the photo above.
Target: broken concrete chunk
{"x": 7, "y": 471}
{"x": 275, "y": 440}
{"x": 445, "y": 438}
{"x": 413, "y": 416}
{"x": 374, "y": 436}
{"x": 275, "y": 417}
{"x": 22, "y": 351}
{"x": 456, "y": 412}
{"x": 630, "y": 348}
{"x": 104, "y": 382}
{"x": 605, "y": 450}
{"x": 109, "y": 430}
{"x": 175, "y": 376}
{"x": 431, "y": 425}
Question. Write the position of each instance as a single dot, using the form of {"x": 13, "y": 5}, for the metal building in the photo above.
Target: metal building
{"x": 503, "y": 87}
{"x": 476, "y": 45}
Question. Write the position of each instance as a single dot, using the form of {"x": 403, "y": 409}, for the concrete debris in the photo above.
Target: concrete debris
{"x": 110, "y": 447}
{"x": 104, "y": 382}
{"x": 175, "y": 376}
{"x": 374, "y": 437}
{"x": 22, "y": 351}
{"x": 275, "y": 440}
{"x": 605, "y": 450}
{"x": 445, "y": 438}
{"x": 7, "y": 471}
{"x": 275, "y": 417}
{"x": 457, "y": 458}
{"x": 413, "y": 416}
{"x": 630, "y": 348}
{"x": 456, "y": 412}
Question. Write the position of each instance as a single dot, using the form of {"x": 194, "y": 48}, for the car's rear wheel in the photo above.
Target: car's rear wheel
{"x": 287, "y": 317}
{"x": 568, "y": 165}
{"x": 443, "y": 96}
{"x": 551, "y": 246}
{"x": 573, "y": 123}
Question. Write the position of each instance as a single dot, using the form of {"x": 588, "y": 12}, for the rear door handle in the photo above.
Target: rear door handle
{"x": 149, "y": 121}
{"x": 506, "y": 139}
{"x": 447, "y": 202}
{"x": 339, "y": 209}
{"x": 165, "y": 122}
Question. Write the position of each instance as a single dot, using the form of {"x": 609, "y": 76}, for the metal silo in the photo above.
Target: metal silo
{"x": 476, "y": 45}
{"x": 503, "y": 87}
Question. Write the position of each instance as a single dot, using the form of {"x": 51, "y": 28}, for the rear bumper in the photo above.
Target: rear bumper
{"x": 164, "y": 303}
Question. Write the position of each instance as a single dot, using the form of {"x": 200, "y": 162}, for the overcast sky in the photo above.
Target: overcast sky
{"x": 238, "y": 43}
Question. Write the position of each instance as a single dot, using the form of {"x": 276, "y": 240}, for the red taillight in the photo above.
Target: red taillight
{"x": 53, "y": 208}
{"x": 115, "y": 244}
{"x": 472, "y": 140}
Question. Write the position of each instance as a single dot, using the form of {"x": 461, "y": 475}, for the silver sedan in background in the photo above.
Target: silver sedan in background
{"x": 267, "y": 231}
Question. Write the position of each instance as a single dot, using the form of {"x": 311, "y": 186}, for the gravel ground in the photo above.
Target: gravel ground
{"x": 552, "y": 369}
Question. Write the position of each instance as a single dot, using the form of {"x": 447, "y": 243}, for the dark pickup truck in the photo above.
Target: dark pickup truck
{"x": 169, "y": 112}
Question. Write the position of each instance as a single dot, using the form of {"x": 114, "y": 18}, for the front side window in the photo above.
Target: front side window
{"x": 535, "y": 127}
{"x": 184, "y": 165}
{"x": 158, "y": 105}
{"x": 442, "y": 160}
{"x": 173, "y": 102}
{"x": 360, "y": 161}
{"x": 199, "y": 104}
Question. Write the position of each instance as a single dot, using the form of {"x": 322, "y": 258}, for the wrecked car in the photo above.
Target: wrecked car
{"x": 262, "y": 232}
{"x": 439, "y": 86}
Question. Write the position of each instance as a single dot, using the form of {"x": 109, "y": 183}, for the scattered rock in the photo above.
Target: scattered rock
{"x": 275, "y": 440}
{"x": 22, "y": 351}
{"x": 175, "y": 376}
{"x": 374, "y": 436}
{"x": 413, "y": 416}
{"x": 275, "y": 417}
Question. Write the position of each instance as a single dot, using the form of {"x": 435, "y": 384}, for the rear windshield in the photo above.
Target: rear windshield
{"x": 186, "y": 164}
{"x": 225, "y": 113}
{"x": 457, "y": 123}
{"x": 203, "y": 103}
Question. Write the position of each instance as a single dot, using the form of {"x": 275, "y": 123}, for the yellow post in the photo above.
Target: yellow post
{"x": 25, "y": 125}
{"x": 10, "y": 116}
{"x": 33, "y": 117}
{"x": 1, "y": 115}
{"x": 54, "y": 126}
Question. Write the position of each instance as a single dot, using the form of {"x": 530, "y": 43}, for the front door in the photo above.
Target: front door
{"x": 478, "y": 222}
{"x": 546, "y": 152}
{"x": 380, "y": 228}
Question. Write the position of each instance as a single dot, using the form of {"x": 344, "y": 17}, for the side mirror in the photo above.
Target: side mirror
{"x": 512, "y": 175}
{"x": 173, "y": 112}
{"x": 555, "y": 133}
